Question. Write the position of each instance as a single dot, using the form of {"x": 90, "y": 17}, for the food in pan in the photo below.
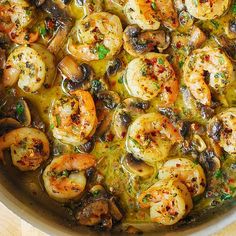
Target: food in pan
{"x": 119, "y": 114}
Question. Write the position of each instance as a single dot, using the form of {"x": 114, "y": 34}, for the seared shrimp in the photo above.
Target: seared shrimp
{"x": 148, "y": 14}
{"x": 15, "y": 18}
{"x": 189, "y": 173}
{"x": 25, "y": 65}
{"x": 222, "y": 129}
{"x": 29, "y": 147}
{"x": 64, "y": 178}
{"x": 151, "y": 136}
{"x": 169, "y": 201}
{"x": 207, "y": 10}
{"x": 74, "y": 118}
{"x": 203, "y": 62}
{"x": 150, "y": 76}
{"x": 100, "y": 37}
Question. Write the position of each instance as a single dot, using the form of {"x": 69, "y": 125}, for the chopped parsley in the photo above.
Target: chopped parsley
{"x": 120, "y": 80}
{"x": 234, "y": 8}
{"x": 219, "y": 75}
{"x": 102, "y": 51}
{"x": 215, "y": 24}
{"x": 19, "y": 109}
{"x": 154, "y": 6}
{"x": 226, "y": 196}
{"x": 43, "y": 31}
{"x": 218, "y": 174}
{"x": 65, "y": 173}
{"x": 160, "y": 61}
{"x": 181, "y": 63}
{"x": 146, "y": 198}
{"x": 58, "y": 119}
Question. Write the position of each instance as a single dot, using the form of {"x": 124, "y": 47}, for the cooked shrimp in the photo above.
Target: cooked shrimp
{"x": 169, "y": 201}
{"x": 16, "y": 17}
{"x": 203, "y": 62}
{"x": 148, "y": 14}
{"x": 191, "y": 174}
{"x": 29, "y": 147}
{"x": 100, "y": 37}
{"x": 64, "y": 178}
{"x": 25, "y": 65}
{"x": 207, "y": 10}
{"x": 150, "y": 76}
{"x": 151, "y": 136}
{"x": 222, "y": 129}
{"x": 74, "y": 118}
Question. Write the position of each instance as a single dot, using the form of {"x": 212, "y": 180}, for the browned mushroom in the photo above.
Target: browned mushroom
{"x": 138, "y": 42}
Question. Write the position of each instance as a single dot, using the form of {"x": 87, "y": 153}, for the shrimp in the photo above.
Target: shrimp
{"x": 148, "y": 15}
{"x": 222, "y": 129}
{"x": 29, "y": 147}
{"x": 74, "y": 118}
{"x": 191, "y": 174}
{"x": 151, "y": 136}
{"x": 100, "y": 37}
{"x": 150, "y": 76}
{"x": 204, "y": 62}
{"x": 64, "y": 178}
{"x": 169, "y": 201}
{"x": 27, "y": 66}
{"x": 207, "y": 10}
{"x": 15, "y": 18}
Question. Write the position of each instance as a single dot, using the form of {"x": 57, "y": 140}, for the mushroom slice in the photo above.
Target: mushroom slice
{"x": 110, "y": 99}
{"x": 23, "y": 112}
{"x": 77, "y": 76}
{"x": 29, "y": 147}
{"x": 137, "y": 167}
{"x": 229, "y": 46}
{"x": 138, "y": 42}
{"x": 7, "y": 124}
{"x": 197, "y": 38}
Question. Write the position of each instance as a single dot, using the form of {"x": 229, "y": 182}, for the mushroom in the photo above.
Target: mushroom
{"x": 198, "y": 143}
{"x": 229, "y": 46}
{"x": 110, "y": 99}
{"x": 7, "y": 124}
{"x": 2, "y": 58}
{"x": 136, "y": 105}
{"x": 185, "y": 19}
{"x": 137, "y": 167}
{"x": 114, "y": 67}
{"x": 76, "y": 76}
{"x": 98, "y": 209}
{"x": 230, "y": 29}
{"x": 23, "y": 114}
{"x": 65, "y": 25}
{"x": 138, "y": 42}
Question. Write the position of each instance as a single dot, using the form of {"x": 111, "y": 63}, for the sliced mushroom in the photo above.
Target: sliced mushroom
{"x": 136, "y": 105}
{"x": 23, "y": 114}
{"x": 7, "y": 124}
{"x": 76, "y": 76}
{"x": 198, "y": 143}
{"x": 137, "y": 167}
{"x": 230, "y": 29}
{"x": 185, "y": 19}
{"x": 229, "y": 46}
{"x": 2, "y": 58}
{"x": 138, "y": 42}
{"x": 110, "y": 99}
{"x": 197, "y": 37}
{"x": 98, "y": 209}
{"x": 114, "y": 67}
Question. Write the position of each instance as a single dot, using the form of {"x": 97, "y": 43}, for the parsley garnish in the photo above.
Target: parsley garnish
{"x": 102, "y": 51}
{"x": 43, "y": 31}
{"x": 19, "y": 109}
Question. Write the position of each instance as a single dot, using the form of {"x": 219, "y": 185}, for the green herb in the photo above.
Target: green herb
{"x": 226, "y": 196}
{"x": 52, "y": 126}
{"x": 160, "y": 61}
{"x": 220, "y": 75}
{"x": 19, "y": 109}
{"x": 218, "y": 174}
{"x": 65, "y": 173}
{"x": 154, "y": 6}
{"x": 102, "y": 51}
{"x": 120, "y": 80}
{"x": 43, "y": 31}
{"x": 234, "y": 8}
{"x": 135, "y": 142}
{"x": 181, "y": 63}
{"x": 232, "y": 189}
{"x": 146, "y": 198}
{"x": 96, "y": 193}
{"x": 77, "y": 149}
{"x": 156, "y": 177}
{"x": 195, "y": 2}
{"x": 58, "y": 119}
{"x": 28, "y": 12}
{"x": 215, "y": 24}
